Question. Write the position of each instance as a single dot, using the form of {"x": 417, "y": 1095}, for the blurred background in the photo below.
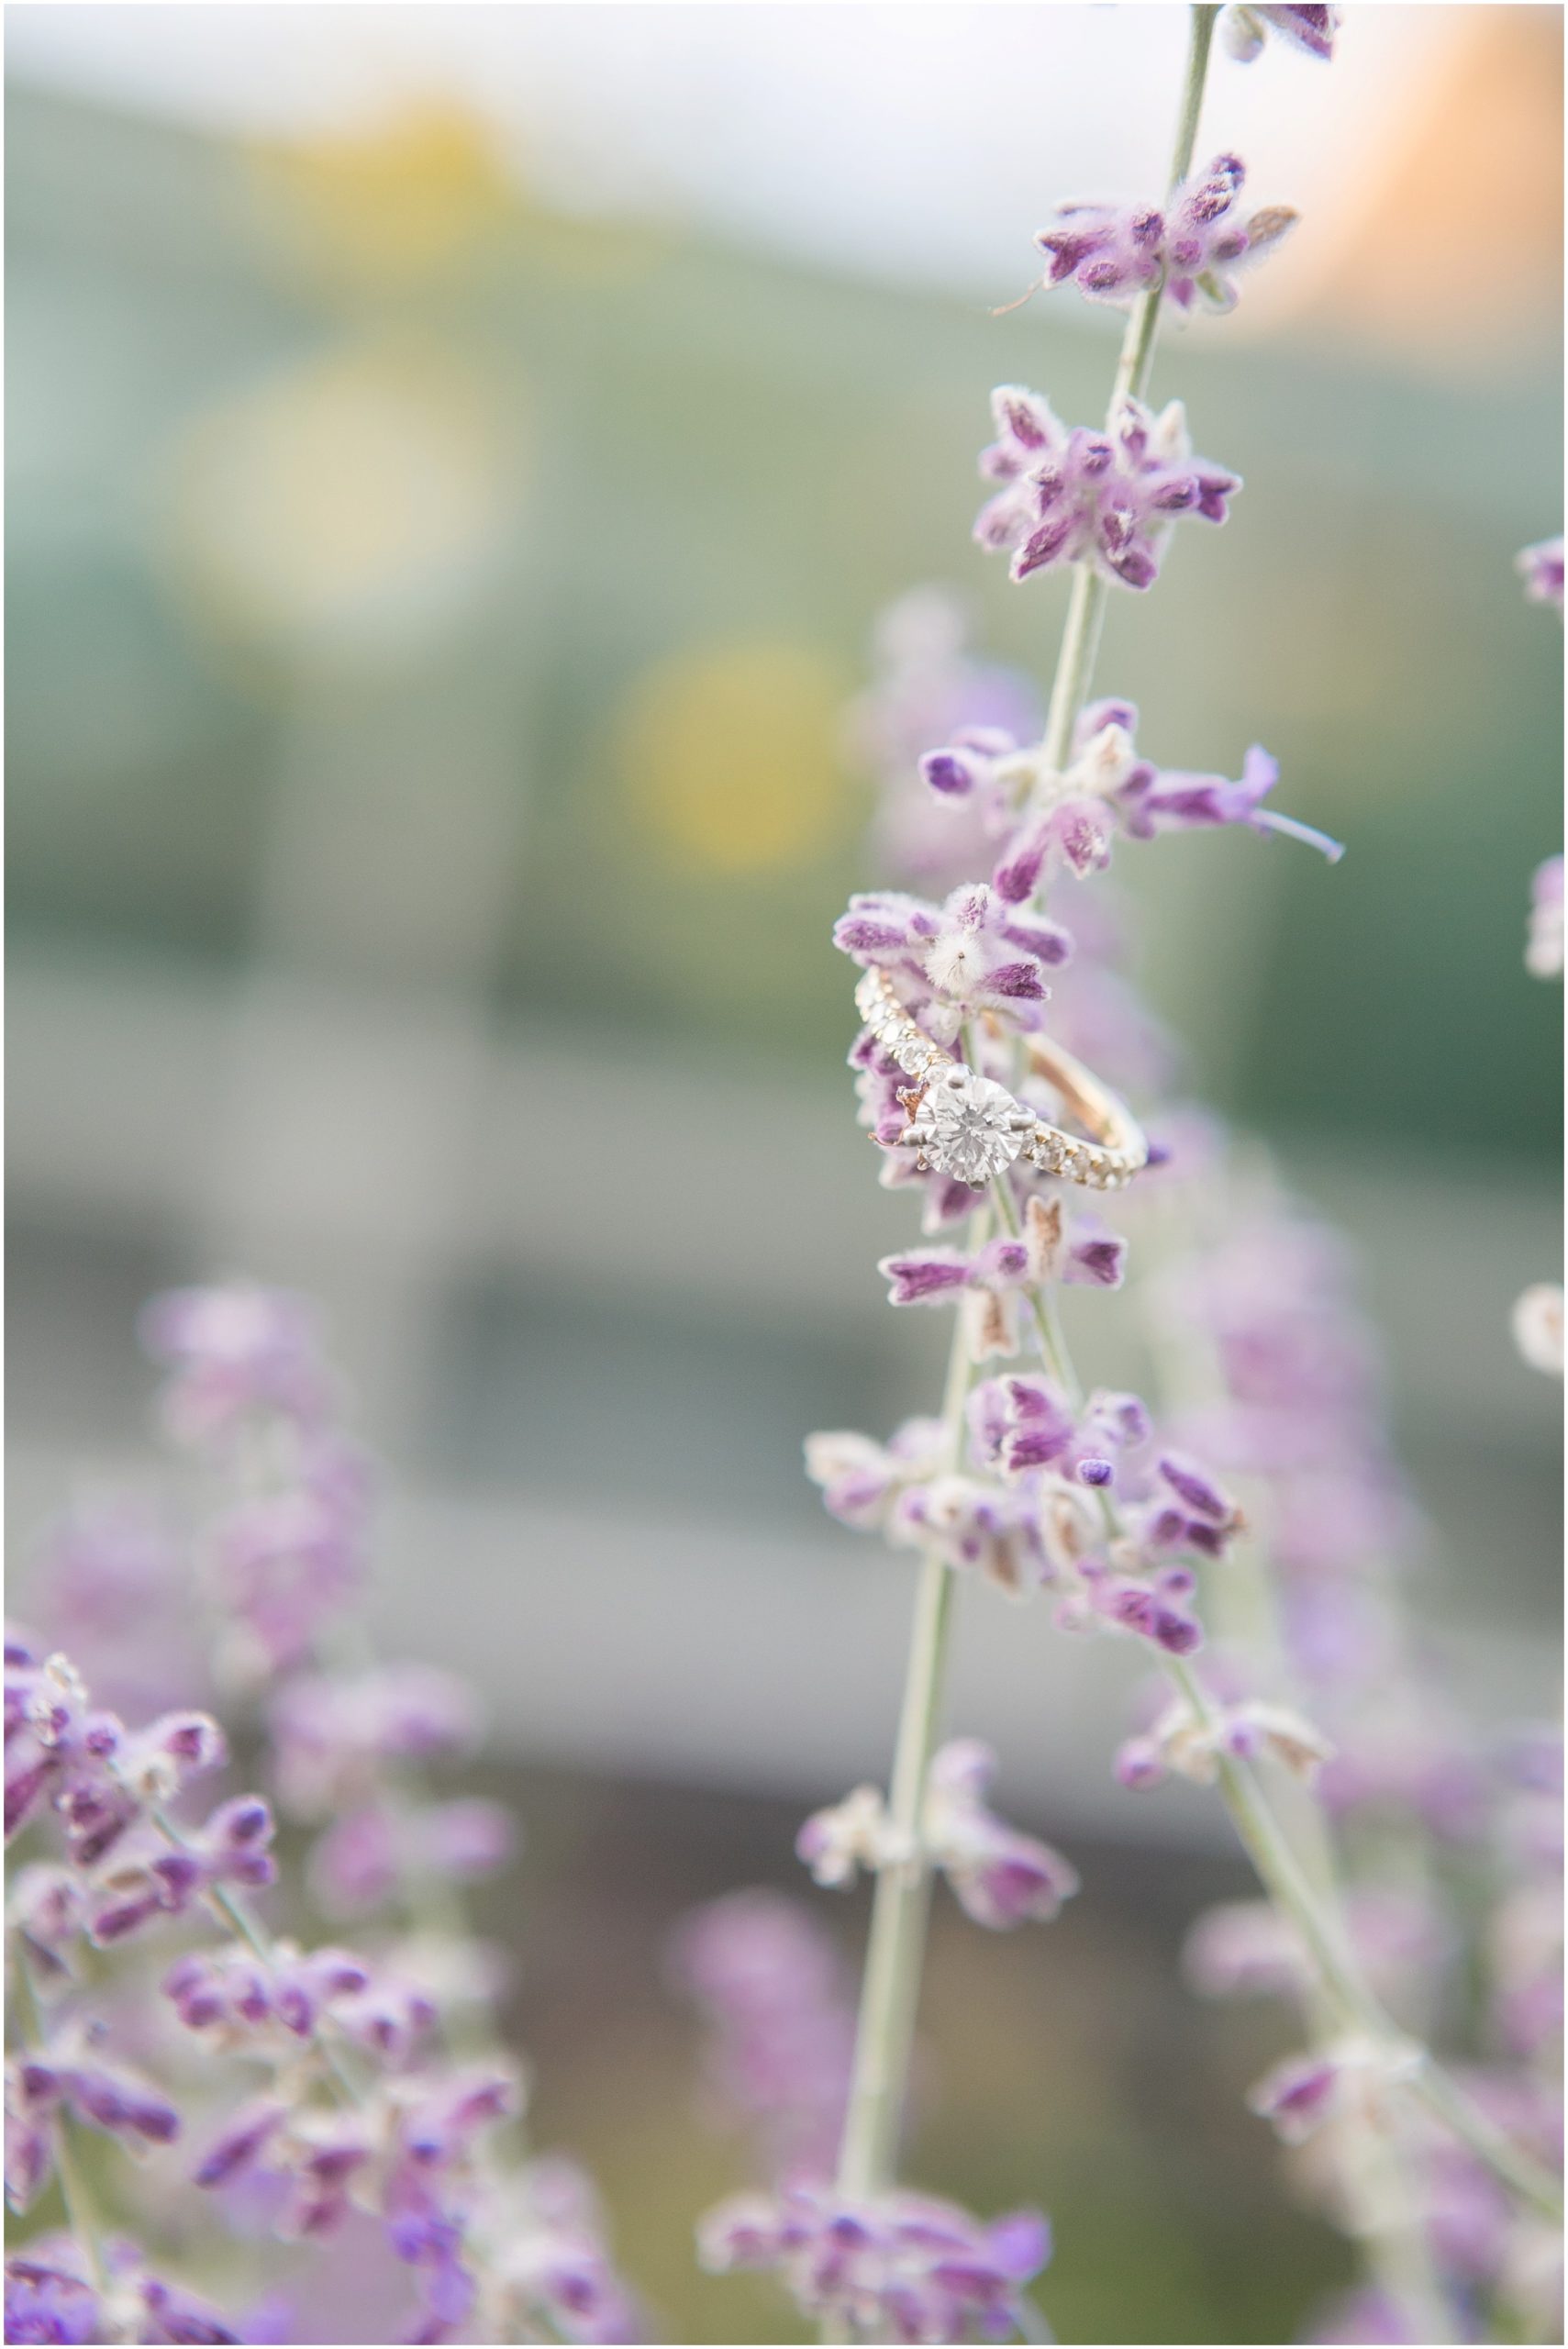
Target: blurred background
{"x": 455, "y": 459}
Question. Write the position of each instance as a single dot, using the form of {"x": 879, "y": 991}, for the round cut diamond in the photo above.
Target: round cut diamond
{"x": 972, "y": 1131}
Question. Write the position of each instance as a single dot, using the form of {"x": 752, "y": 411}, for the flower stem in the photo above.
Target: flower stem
{"x": 1086, "y": 605}
{"x": 81, "y": 2219}
{"x": 895, "y": 1947}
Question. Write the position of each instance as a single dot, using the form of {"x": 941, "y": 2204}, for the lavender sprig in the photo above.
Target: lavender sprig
{"x": 484, "y": 2223}
{"x": 1075, "y": 1489}
{"x": 895, "y": 1948}
{"x": 359, "y": 2107}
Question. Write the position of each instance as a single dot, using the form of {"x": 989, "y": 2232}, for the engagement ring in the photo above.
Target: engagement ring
{"x": 971, "y": 1128}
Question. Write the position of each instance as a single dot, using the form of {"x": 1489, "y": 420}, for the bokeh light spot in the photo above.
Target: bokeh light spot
{"x": 729, "y": 755}
{"x": 386, "y": 203}
{"x": 348, "y": 507}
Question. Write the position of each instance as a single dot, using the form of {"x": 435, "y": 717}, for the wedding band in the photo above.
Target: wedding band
{"x": 972, "y": 1128}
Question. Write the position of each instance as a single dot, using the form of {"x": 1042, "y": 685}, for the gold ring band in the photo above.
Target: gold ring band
{"x": 960, "y": 1118}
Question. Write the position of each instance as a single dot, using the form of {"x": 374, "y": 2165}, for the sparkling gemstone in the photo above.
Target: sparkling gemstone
{"x": 972, "y": 1137}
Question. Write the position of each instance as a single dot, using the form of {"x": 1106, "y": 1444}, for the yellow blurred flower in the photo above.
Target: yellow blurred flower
{"x": 351, "y": 505}
{"x": 389, "y": 204}
{"x": 729, "y": 755}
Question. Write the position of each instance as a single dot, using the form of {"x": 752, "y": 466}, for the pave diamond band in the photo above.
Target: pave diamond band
{"x": 969, "y": 1126}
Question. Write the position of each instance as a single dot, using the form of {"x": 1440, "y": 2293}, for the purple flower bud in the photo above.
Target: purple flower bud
{"x": 1197, "y": 1490}
{"x": 927, "y": 1277}
{"x": 1109, "y": 500}
{"x": 1098, "y": 1260}
{"x": 50, "y": 2302}
{"x": 1243, "y": 29}
{"x": 27, "y": 1775}
{"x": 465, "y": 1839}
{"x": 1139, "y": 1763}
{"x": 949, "y": 773}
{"x": 30, "y": 2160}
{"x": 768, "y": 1980}
{"x": 1296, "y": 2095}
{"x": 903, "y": 2266}
{"x": 1018, "y": 981}
{"x": 247, "y": 2134}
{"x": 999, "y": 1877}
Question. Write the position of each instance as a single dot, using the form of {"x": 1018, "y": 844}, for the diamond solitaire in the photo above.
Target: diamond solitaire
{"x": 966, "y": 1126}
{"x": 971, "y": 1128}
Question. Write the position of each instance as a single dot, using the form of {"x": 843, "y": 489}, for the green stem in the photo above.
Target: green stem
{"x": 896, "y": 1945}
{"x": 1448, "y": 2103}
{"x": 894, "y": 1949}
{"x": 81, "y": 2219}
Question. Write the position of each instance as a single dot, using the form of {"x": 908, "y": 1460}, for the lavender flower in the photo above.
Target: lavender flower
{"x": 1246, "y": 1949}
{"x": 1540, "y": 568}
{"x": 1311, "y": 30}
{"x": 146, "y": 1880}
{"x": 901, "y": 2266}
{"x": 553, "y": 2270}
{"x": 357, "y": 2107}
{"x": 1305, "y": 2091}
{"x": 70, "y": 2074}
{"x": 333, "y": 1734}
{"x": 1081, "y": 1252}
{"x": 362, "y": 1858}
{"x": 767, "y": 1979}
{"x": 927, "y": 687}
{"x": 998, "y": 1876}
{"x": 1188, "y": 248}
{"x": 47, "y": 2298}
{"x": 111, "y": 1582}
{"x": 1040, "y": 1525}
{"x": 99, "y": 1777}
{"x": 46, "y": 1908}
{"x": 288, "y": 1560}
{"x": 836, "y": 1844}
{"x": 1363, "y": 2318}
{"x": 234, "y": 1352}
{"x": 1193, "y": 1745}
{"x": 1081, "y": 496}
{"x": 1030, "y": 1482}
{"x": 242, "y": 2001}
{"x": 1068, "y": 821}
{"x": 50, "y": 2297}
{"x": 862, "y": 1480}
{"x": 974, "y": 1526}
{"x": 977, "y": 953}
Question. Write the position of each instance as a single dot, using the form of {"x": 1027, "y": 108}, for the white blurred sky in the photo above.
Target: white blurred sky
{"x": 914, "y": 142}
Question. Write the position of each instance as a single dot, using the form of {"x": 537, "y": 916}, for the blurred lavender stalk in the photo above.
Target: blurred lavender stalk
{"x": 383, "y": 2087}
